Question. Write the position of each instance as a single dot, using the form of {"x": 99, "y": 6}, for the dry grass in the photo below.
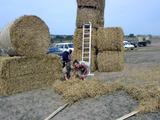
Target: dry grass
{"x": 142, "y": 85}
{"x": 74, "y": 90}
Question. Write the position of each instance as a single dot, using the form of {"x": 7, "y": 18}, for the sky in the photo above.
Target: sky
{"x": 134, "y": 16}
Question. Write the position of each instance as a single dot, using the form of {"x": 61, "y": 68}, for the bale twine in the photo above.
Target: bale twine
{"x": 77, "y": 55}
{"x": 110, "y": 39}
{"x": 78, "y": 38}
{"x": 110, "y": 61}
{"x": 19, "y": 74}
{"x": 26, "y": 36}
{"x": 85, "y": 15}
{"x": 97, "y": 4}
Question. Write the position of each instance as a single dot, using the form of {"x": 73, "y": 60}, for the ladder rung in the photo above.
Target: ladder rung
{"x": 85, "y": 41}
{"x": 86, "y": 38}
{"x": 85, "y": 57}
{"x": 88, "y": 29}
{"x": 86, "y": 53}
{"x": 88, "y": 33}
{"x": 86, "y": 47}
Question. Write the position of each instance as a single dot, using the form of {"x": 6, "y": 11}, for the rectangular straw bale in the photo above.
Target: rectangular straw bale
{"x": 85, "y": 15}
{"x": 23, "y": 74}
{"x": 78, "y": 38}
{"x": 110, "y": 61}
{"x": 110, "y": 39}
{"x": 77, "y": 55}
{"x": 97, "y": 4}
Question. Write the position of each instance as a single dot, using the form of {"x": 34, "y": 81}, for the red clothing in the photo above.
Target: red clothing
{"x": 82, "y": 70}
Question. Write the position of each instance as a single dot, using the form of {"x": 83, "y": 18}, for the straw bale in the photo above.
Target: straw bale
{"x": 75, "y": 90}
{"x": 77, "y": 54}
{"x": 97, "y": 4}
{"x": 78, "y": 38}
{"x": 110, "y": 61}
{"x": 18, "y": 74}
{"x": 110, "y": 39}
{"x": 26, "y": 36}
{"x": 85, "y": 15}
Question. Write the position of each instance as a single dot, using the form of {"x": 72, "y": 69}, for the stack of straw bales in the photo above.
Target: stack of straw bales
{"x": 110, "y": 49}
{"x": 88, "y": 11}
{"x": 107, "y": 43}
{"x": 27, "y": 39}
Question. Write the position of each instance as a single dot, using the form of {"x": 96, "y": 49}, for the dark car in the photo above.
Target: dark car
{"x": 55, "y": 50}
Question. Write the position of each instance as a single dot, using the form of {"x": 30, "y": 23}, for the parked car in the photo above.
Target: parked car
{"x": 59, "y": 48}
{"x": 135, "y": 43}
{"x": 128, "y": 45}
{"x": 55, "y": 50}
{"x": 64, "y": 46}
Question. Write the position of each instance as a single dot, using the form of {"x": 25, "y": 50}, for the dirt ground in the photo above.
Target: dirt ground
{"x": 38, "y": 104}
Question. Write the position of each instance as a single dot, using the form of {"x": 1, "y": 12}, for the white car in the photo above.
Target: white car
{"x": 128, "y": 45}
{"x": 64, "y": 46}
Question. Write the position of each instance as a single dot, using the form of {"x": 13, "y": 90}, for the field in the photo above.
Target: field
{"x": 141, "y": 65}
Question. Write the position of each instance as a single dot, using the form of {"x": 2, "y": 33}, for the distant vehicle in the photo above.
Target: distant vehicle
{"x": 128, "y": 45}
{"x": 59, "y": 48}
{"x": 3, "y": 52}
{"x": 64, "y": 46}
{"x": 135, "y": 43}
{"x": 55, "y": 50}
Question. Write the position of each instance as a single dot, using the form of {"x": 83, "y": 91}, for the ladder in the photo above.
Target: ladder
{"x": 86, "y": 45}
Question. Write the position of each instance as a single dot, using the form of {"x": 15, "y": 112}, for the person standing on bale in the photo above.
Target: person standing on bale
{"x": 66, "y": 58}
{"x": 80, "y": 69}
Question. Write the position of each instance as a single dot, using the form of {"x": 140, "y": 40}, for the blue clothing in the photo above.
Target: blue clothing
{"x": 66, "y": 57}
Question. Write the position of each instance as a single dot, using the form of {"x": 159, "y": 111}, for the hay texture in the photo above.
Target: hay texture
{"x": 78, "y": 38}
{"x": 144, "y": 86}
{"x": 19, "y": 74}
{"x": 110, "y": 61}
{"x": 77, "y": 55}
{"x": 110, "y": 39}
{"x": 97, "y": 4}
{"x": 26, "y": 36}
{"x": 85, "y": 15}
{"x": 75, "y": 90}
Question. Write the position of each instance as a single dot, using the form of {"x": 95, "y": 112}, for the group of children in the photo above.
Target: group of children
{"x": 73, "y": 68}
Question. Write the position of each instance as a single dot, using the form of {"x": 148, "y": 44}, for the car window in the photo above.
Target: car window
{"x": 66, "y": 46}
{"x": 70, "y": 45}
{"x": 60, "y": 46}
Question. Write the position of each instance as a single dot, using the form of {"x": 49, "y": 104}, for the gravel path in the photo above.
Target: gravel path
{"x": 33, "y": 105}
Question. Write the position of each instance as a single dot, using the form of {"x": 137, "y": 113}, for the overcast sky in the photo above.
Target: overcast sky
{"x": 134, "y": 16}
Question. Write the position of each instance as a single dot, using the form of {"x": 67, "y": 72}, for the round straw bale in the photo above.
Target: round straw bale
{"x": 110, "y": 39}
{"x": 77, "y": 55}
{"x": 78, "y": 38}
{"x": 85, "y": 15}
{"x": 26, "y": 36}
{"x": 110, "y": 61}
